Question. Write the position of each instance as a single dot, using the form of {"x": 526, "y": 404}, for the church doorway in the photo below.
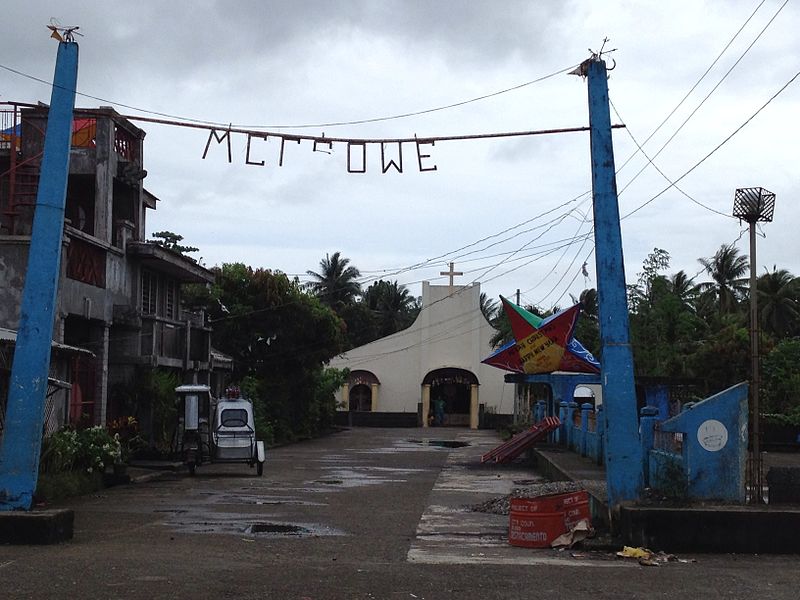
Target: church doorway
{"x": 362, "y": 391}
{"x": 360, "y": 398}
{"x": 451, "y": 397}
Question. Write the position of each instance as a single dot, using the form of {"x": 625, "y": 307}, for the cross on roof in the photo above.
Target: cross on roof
{"x": 451, "y": 273}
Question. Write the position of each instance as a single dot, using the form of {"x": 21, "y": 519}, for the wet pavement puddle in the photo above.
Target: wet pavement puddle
{"x": 239, "y": 524}
{"x": 440, "y": 443}
{"x": 361, "y": 476}
{"x": 416, "y": 445}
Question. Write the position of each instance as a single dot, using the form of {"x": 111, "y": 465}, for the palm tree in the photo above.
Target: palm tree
{"x": 779, "y": 302}
{"x": 728, "y": 269}
{"x": 684, "y": 288}
{"x": 489, "y": 307}
{"x": 393, "y": 306}
{"x": 336, "y": 284}
{"x": 588, "y": 302}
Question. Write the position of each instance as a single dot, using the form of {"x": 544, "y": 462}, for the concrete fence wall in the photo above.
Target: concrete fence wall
{"x": 699, "y": 454}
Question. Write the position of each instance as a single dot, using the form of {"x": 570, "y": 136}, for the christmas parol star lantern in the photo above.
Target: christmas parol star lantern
{"x": 543, "y": 345}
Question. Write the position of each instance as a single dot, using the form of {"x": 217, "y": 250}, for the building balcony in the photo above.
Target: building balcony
{"x": 169, "y": 343}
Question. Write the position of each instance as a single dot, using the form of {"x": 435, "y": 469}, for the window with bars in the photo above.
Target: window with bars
{"x": 159, "y": 295}
{"x": 149, "y": 293}
{"x": 170, "y": 299}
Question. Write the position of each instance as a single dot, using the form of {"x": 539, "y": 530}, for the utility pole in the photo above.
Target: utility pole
{"x": 754, "y": 205}
{"x": 22, "y": 438}
{"x": 623, "y": 454}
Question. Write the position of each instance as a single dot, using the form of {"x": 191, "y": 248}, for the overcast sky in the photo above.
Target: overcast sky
{"x": 273, "y": 64}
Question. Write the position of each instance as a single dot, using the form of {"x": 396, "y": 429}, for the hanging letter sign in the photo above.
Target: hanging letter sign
{"x": 357, "y": 150}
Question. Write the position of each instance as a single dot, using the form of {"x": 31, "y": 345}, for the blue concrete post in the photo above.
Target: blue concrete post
{"x": 586, "y": 408}
{"x": 572, "y": 436}
{"x": 541, "y": 410}
{"x": 22, "y": 437}
{"x": 658, "y": 397}
{"x": 601, "y": 435}
{"x": 647, "y": 433}
{"x": 623, "y": 450}
{"x": 562, "y": 438}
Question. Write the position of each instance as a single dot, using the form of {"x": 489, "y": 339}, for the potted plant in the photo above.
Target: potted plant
{"x": 125, "y": 431}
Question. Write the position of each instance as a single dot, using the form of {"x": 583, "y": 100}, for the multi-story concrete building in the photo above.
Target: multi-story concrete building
{"x": 119, "y": 295}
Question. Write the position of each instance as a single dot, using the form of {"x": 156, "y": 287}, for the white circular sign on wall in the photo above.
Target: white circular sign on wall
{"x": 712, "y": 435}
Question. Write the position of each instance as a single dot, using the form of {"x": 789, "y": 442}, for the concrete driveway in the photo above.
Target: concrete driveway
{"x": 361, "y": 514}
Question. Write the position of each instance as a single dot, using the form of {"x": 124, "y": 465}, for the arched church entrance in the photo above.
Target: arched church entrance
{"x": 360, "y": 398}
{"x": 453, "y": 397}
{"x": 362, "y": 391}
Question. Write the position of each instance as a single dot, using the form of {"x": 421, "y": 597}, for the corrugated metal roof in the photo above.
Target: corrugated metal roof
{"x": 9, "y": 336}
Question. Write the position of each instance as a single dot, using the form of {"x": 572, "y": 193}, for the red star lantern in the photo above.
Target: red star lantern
{"x": 543, "y": 346}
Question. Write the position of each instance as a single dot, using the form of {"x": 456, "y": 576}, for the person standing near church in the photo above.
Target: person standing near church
{"x": 438, "y": 410}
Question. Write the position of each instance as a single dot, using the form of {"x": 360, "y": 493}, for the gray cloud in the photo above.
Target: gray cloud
{"x": 303, "y": 62}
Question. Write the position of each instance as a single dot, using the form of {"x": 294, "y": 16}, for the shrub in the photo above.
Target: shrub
{"x": 86, "y": 450}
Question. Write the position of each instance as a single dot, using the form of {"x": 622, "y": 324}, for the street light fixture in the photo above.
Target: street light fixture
{"x": 754, "y": 205}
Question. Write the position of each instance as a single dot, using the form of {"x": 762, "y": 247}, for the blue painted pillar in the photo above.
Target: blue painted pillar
{"x": 541, "y": 410}
{"x": 586, "y": 408}
{"x": 572, "y": 435}
{"x": 658, "y": 396}
{"x": 647, "y": 426}
{"x": 623, "y": 451}
{"x": 22, "y": 437}
{"x": 601, "y": 435}
{"x": 562, "y": 430}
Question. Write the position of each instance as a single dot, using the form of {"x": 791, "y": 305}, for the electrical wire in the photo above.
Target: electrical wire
{"x": 680, "y": 103}
{"x": 716, "y": 148}
{"x": 697, "y": 83}
{"x": 640, "y": 148}
{"x": 656, "y": 167}
{"x": 305, "y": 125}
{"x": 713, "y": 89}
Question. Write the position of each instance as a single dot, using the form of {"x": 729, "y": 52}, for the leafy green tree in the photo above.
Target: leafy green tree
{"x": 781, "y": 375}
{"x": 728, "y": 270}
{"x": 336, "y": 284}
{"x": 639, "y": 293}
{"x": 664, "y": 327}
{"x": 392, "y": 306}
{"x": 779, "y": 302}
{"x": 503, "y": 327}
{"x": 684, "y": 288}
{"x": 360, "y": 324}
{"x": 722, "y": 358}
{"x": 489, "y": 307}
{"x": 587, "y": 331}
{"x": 149, "y": 397}
{"x": 280, "y": 339}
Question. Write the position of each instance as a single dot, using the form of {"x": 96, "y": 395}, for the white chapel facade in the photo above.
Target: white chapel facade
{"x": 432, "y": 367}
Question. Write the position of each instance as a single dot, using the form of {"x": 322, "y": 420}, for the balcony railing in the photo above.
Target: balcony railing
{"x": 160, "y": 338}
{"x": 125, "y": 144}
{"x": 167, "y": 339}
{"x": 86, "y": 263}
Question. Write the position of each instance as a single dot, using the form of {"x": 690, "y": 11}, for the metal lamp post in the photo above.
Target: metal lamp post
{"x": 754, "y": 205}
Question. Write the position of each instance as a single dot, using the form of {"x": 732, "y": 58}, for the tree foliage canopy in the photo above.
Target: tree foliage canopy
{"x": 172, "y": 241}
{"x": 280, "y": 339}
{"x": 281, "y": 333}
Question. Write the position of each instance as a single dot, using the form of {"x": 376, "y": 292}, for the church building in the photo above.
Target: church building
{"x": 431, "y": 373}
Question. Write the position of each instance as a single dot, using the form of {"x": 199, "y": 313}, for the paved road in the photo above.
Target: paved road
{"x": 362, "y": 514}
